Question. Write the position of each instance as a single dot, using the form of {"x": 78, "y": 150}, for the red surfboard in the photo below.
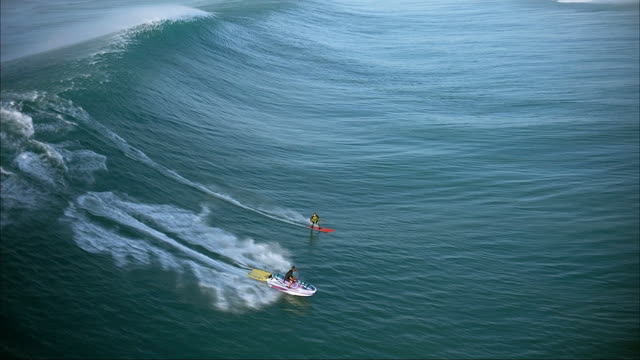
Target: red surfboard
{"x": 321, "y": 229}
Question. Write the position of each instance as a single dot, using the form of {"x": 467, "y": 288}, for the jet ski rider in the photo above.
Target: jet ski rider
{"x": 289, "y": 276}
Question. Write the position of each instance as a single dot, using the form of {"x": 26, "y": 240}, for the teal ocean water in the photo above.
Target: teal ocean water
{"x": 479, "y": 161}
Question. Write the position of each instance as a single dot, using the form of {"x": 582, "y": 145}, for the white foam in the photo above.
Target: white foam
{"x": 194, "y": 229}
{"x": 37, "y": 169}
{"x": 97, "y": 239}
{"x": 83, "y": 164}
{"x": 286, "y": 216}
{"x": 32, "y": 165}
{"x": 15, "y": 123}
{"x": 166, "y": 234}
{"x": 18, "y": 131}
{"x": 58, "y": 126}
{"x": 22, "y": 96}
{"x": 50, "y": 153}
{"x": 5, "y": 172}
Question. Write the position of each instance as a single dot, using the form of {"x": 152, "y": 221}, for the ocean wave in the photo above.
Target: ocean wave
{"x": 40, "y": 171}
{"x": 104, "y": 22}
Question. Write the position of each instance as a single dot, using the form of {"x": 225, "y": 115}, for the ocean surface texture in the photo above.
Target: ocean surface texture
{"x": 479, "y": 161}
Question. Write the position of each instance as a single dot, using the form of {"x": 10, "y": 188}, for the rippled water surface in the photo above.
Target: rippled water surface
{"x": 478, "y": 160}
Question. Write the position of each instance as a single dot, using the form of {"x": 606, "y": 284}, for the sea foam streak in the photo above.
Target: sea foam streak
{"x": 226, "y": 283}
{"x": 21, "y": 124}
{"x": 286, "y": 216}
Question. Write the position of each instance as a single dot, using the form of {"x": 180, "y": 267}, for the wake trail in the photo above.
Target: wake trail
{"x": 109, "y": 211}
{"x": 178, "y": 240}
{"x": 140, "y": 156}
{"x": 136, "y": 154}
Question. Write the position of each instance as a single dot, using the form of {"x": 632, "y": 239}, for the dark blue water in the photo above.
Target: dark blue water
{"x": 479, "y": 161}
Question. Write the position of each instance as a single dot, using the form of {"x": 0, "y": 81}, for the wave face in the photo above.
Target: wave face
{"x": 479, "y": 165}
{"x": 68, "y": 28}
{"x": 46, "y": 163}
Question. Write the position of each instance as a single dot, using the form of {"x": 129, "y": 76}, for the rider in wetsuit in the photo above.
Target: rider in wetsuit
{"x": 314, "y": 220}
{"x": 289, "y": 276}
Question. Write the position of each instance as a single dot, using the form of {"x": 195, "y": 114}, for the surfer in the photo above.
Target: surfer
{"x": 289, "y": 276}
{"x": 314, "y": 220}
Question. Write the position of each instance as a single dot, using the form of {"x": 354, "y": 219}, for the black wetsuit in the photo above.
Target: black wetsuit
{"x": 289, "y": 275}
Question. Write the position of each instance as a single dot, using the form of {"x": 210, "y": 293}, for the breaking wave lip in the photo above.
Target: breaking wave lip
{"x": 179, "y": 240}
{"x": 109, "y": 22}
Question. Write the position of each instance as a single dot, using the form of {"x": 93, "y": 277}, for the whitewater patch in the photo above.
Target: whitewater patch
{"x": 36, "y": 170}
{"x": 15, "y": 123}
{"x": 49, "y": 162}
{"x": 178, "y": 240}
{"x": 31, "y": 165}
{"x": 18, "y": 126}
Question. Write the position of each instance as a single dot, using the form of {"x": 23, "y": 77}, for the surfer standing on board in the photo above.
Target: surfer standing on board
{"x": 289, "y": 276}
{"x": 314, "y": 220}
